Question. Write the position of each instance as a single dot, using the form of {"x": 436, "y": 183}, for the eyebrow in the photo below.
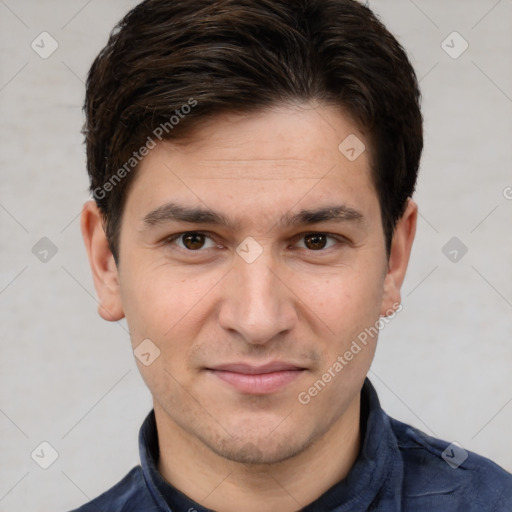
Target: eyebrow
{"x": 174, "y": 212}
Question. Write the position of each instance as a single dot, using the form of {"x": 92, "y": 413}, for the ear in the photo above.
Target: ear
{"x": 101, "y": 260}
{"x": 401, "y": 245}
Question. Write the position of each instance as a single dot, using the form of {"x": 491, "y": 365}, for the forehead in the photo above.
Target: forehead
{"x": 261, "y": 163}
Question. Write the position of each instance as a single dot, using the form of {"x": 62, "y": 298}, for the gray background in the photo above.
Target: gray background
{"x": 68, "y": 377}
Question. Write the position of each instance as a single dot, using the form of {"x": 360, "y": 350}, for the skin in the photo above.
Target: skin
{"x": 296, "y": 302}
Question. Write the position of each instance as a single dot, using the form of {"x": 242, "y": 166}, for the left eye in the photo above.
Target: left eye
{"x": 316, "y": 241}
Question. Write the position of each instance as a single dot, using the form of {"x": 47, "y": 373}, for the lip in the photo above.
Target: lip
{"x": 257, "y": 380}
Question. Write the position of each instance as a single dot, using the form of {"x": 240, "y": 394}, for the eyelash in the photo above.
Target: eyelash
{"x": 169, "y": 240}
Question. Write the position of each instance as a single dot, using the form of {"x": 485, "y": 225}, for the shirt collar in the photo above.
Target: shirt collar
{"x": 376, "y": 472}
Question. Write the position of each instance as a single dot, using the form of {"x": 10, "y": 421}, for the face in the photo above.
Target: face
{"x": 252, "y": 257}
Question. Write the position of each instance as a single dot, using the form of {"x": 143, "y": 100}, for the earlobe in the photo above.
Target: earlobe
{"x": 400, "y": 252}
{"x": 103, "y": 266}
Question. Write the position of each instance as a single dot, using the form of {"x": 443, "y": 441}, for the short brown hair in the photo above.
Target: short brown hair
{"x": 217, "y": 56}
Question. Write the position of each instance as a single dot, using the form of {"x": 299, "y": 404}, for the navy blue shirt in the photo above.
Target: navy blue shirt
{"x": 399, "y": 468}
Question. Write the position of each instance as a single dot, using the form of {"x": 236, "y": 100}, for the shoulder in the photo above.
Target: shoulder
{"x": 129, "y": 494}
{"x": 435, "y": 469}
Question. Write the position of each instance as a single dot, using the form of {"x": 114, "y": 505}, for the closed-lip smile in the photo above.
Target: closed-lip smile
{"x": 257, "y": 379}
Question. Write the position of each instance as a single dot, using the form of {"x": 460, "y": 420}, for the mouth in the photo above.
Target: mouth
{"x": 257, "y": 380}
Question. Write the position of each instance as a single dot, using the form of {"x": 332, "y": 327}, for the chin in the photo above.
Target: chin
{"x": 264, "y": 450}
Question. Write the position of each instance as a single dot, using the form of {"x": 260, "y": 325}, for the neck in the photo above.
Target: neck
{"x": 221, "y": 484}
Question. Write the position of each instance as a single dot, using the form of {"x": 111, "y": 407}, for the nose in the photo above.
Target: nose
{"x": 257, "y": 304}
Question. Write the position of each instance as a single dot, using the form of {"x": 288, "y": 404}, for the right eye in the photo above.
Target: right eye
{"x": 192, "y": 241}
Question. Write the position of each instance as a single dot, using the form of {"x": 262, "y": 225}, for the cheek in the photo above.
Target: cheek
{"x": 147, "y": 301}
{"x": 349, "y": 304}
{"x": 162, "y": 307}
{"x": 163, "y": 304}
{"x": 346, "y": 300}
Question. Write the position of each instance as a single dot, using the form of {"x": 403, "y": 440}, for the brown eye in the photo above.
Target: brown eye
{"x": 315, "y": 241}
{"x": 193, "y": 241}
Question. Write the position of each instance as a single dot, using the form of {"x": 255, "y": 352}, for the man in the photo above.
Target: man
{"x": 252, "y": 166}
